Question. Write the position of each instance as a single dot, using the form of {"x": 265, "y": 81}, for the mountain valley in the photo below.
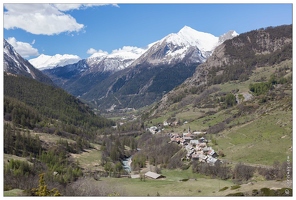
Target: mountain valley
{"x": 125, "y": 77}
{"x": 207, "y": 115}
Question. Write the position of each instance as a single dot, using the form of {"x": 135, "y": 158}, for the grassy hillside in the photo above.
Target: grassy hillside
{"x": 241, "y": 96}
{"x": 257, "y": 130}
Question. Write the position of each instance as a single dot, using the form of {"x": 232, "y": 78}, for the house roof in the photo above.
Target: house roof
{"x": 211, "y": 152}
{"x": 194, "y": 141}
{"x": 203, "y": 157}
{"x": 153, "y": 175}
{"x": 197, "y": 132}
{"x": 202, "y": 144}
{"x": 211, "y": 160}
{"x": 207, "y": 148}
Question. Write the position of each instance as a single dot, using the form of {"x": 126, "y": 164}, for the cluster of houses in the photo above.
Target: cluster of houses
{"x": 160, "y": 127}
{"x": 197, "y": 149}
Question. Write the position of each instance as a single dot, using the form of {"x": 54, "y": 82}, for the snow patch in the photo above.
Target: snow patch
{"x": 43, "y": 62}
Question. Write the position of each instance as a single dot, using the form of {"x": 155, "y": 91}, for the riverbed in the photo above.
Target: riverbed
{"x": 127, "y": 164}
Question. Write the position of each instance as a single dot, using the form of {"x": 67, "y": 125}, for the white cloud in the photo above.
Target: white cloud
{"x": 128, "y": 49}
{"x": 68, "y": 6}
{"x": 45, "y": 19}
{"x": 93, "y": 51}
{"x": 33, "y": 42}
{"x": 24, "y": 49}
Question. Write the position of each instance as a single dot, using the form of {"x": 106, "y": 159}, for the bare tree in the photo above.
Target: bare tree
{"x": 89, "y": 187}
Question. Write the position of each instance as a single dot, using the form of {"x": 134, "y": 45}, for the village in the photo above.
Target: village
{"x": 194, "y": 143}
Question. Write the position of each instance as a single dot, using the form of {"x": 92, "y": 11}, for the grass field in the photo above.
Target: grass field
{"x": 90, "y": 159}
{"x": 9, "y": 157}
{"x": 51, "y": 138}
{"x": 172, "y": 187}
{"x": 13, "y": 193}
{"x": 169, "y": 187}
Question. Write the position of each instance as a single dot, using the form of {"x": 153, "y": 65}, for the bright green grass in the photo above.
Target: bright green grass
{"x": 172, "y": 187}
{"x": 13, "y": 193}
{"x": 178, "y": 174}
{"x": 90, "y": 159}
{"x": 169, "y": 187}
{"x": 261, "y": 141}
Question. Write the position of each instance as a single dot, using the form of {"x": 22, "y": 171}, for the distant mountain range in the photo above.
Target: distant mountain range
{"x": 186, "y": 37}
{"x": 48, "y": 62}
{"x": 135, "y": 77}
{"x": 132, "y": 77}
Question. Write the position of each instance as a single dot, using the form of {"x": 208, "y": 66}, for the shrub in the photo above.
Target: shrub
{"x": 243, "y": 172}
{"x": 222, "y": 189}
{"x": 235, "y": 187}
{"x": 236, "y": 194}
{"x": 42, "y": 189}
{"x": 260, "y": 88}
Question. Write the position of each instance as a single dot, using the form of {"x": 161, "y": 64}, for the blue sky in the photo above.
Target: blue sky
{"x": 35, "y": 29}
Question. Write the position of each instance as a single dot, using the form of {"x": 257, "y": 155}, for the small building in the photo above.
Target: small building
{"x": 196, "y": 142}
{"x": 183, "y": 142}
{"x": 212, "y": 153}
{"x": 165, "y": 123}
{"x": 206, "y": 149}
{"x": 195, "y": 156}
{"x": 197, "y": 133}
{"x": 189, "y": 147}
{"x": 202, "y": 158}
{"x": 153, "y": 175}
{"x": 202, "y": 140}
{"x": 153, "y": 129}
{"x": 202, "y": 145}
{"x": 211, "y": 160}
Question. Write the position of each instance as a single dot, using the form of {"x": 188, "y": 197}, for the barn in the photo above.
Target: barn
{"x": 153, "y": 175}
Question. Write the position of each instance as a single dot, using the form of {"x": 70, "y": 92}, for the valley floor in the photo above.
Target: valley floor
{"x": 203, "y": 187}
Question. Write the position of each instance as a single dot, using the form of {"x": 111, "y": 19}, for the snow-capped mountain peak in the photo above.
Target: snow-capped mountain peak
{"x": 48, "y": 62}
{"x": 188, "y": 43}
{"x": 226, "y": 36}
{"x": 11, "y": 56}
{"x": 204, "y": 41}
{"x": 118, "y": 59}
{"x": 99, "y": 54}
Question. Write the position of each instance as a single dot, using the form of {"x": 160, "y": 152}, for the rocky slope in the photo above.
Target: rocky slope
{"x": 15, "y": 64}
{"x": 235, "y": 59}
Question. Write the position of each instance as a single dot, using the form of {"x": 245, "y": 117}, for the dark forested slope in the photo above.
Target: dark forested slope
{"x": 45, "y": 103}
